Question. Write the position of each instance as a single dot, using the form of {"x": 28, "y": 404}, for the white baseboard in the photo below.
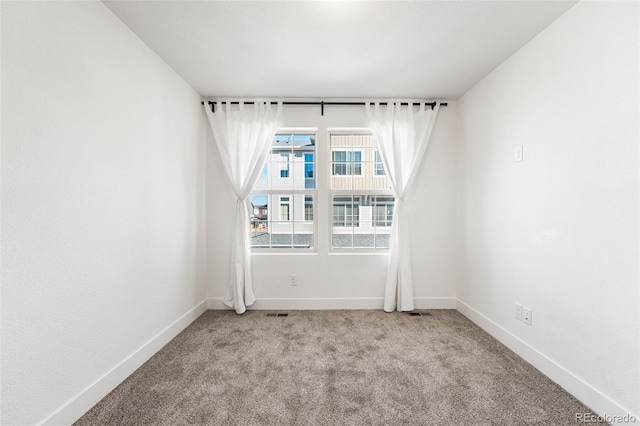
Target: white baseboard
{"x": 590, "y": 396}
{"x": 434, "y": 302}
{"x": 215, "y": 303}
{"x": 81, "y": 403}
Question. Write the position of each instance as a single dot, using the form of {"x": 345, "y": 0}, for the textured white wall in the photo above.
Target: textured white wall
{"x": 102, "y": 201}
{"x": 558, "y": 232}
{"x": 353, "y": 279}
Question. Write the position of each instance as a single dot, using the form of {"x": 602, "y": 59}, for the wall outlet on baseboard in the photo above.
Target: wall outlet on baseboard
{"x": 293, "y": 279}
{"x": 526, "y": 315}
{"x": 518, "y": 311}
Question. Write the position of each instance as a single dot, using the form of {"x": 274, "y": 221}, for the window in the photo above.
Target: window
{"x": 383, "y": 211}
{"x": 362, "y": 202}
{"x": 359, "y": 202}
{"x": 378, "y": 168}
{"x": 309, "y": 166}
{"x": 308, "y": 208}
{"x": 346, "y": 163}
{"x": 284, "y": 165}
{"x": 346, "y": 211}
{"x": 287, "y": 183}
{"x": 284, "y": 208}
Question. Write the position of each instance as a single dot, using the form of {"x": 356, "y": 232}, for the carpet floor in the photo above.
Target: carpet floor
{"x": 335, "y": 368}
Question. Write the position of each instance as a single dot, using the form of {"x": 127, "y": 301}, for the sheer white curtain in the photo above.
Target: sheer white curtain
{"x": 402, "y": 135}
{"x": 243, "y": 135}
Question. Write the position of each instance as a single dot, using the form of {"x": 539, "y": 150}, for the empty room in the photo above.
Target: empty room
{"x": 320, "y": 212}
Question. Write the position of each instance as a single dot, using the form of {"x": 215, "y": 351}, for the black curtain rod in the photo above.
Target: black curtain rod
{"x": 322, "y": 103}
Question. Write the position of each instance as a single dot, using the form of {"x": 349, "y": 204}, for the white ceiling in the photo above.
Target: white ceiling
{"x": 336, "y": 49}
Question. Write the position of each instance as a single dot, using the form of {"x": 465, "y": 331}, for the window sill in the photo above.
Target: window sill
{"x": 353, "y": 252}
{"x": 284, "y": 253}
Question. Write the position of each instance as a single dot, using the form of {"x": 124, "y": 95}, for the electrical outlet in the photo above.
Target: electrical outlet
{"x": 526, "y": 316}
{"x": 293, "y": 279}
{"x": 518, "y": 311}
{"x": 517, "y": 153}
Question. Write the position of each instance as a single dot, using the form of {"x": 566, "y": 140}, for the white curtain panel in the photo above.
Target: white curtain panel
{"x": 243, "y": 134}
{"x": 402, "y": 135}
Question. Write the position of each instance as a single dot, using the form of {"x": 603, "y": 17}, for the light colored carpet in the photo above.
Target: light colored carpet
{"x": 333, "y": 368}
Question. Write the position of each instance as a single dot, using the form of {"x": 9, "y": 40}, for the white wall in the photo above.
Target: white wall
{"x": 559, "y": 231}
{"x": 102, "y": 206}
{"x": 345, "y": 281}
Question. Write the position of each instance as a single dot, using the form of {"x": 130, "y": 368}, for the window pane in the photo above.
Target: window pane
{"x": 283, "y": 140}
{"x": 291, "y": 163}
{"x": 303, "y": 226}
{"x": 361, "y": 221}
{"x": 346, "y": 211}
{"x": 309, "y": 171}
{"x": 342, "y": 241}
{"x": 382, "y": 241}
{"x": 263, "y": 179}
{"x": 304, "y": 142}
{"x": 382, "y": 209}
{"x": 379, "y": 169}
{"x": 383, "y": 219}
{"x": 259, "y": 221}
{"x": 279, "y": 163}
{"x": 281, "y": 234}
{"x": 349, "y": 162}
{"x": 346, "y": 220}
{"x": 363, "y": 237}
{"x": 303, "y": 241}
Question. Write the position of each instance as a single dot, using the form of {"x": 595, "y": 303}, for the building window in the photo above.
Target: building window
{"x": 309, "y": 168}
{"x": 346, "y": 163}
{"x": 284, "y": 208}
{"x": 346, "y": 211}
{"x": 287, "y": 183}
{"x": 361, "y": 197}
{"x": 308, "y": 208}
{"x": 378, "y": 168}
{"x": 382, "y": 208}
{"x": 284, "y": 165}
